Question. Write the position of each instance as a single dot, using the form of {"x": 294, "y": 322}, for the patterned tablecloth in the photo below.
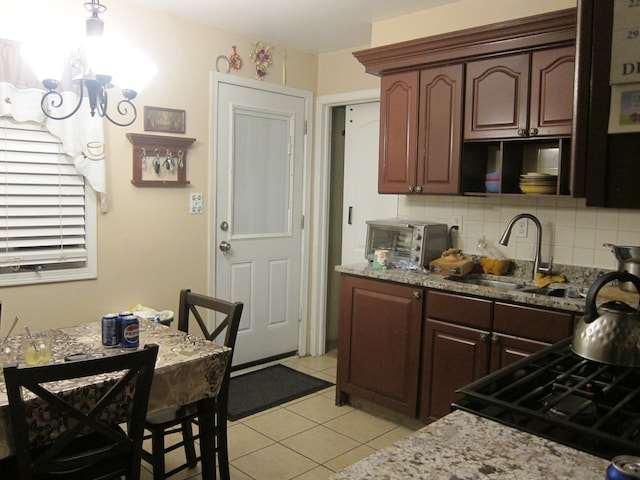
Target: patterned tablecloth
{"x": 188, "y": 368}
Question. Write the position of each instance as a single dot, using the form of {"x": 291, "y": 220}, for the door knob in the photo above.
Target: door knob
{"x": 224, "y": 246}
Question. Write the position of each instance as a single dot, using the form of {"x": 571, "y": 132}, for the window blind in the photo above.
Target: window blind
{"x": 42, "y": 210}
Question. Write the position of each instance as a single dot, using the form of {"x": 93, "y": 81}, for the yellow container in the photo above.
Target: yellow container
{"x": 494, "y": 266}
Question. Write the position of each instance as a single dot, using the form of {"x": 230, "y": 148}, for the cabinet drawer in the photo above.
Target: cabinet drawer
{"x": 458, "y": 309}
{"x": 533, "y": 323}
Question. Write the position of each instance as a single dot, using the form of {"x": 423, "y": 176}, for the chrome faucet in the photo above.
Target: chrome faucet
{"x": 538, "y": 266}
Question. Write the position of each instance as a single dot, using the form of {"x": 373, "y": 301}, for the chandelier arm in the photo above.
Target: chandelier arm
{"x": 123, "y": 109}
{"x": 57, "y": 103}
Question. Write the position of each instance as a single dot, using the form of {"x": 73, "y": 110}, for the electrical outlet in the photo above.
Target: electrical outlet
{"x": 521, "y": 228}
{"x": 195, "y": 203}
{"x": 457, "y": 220}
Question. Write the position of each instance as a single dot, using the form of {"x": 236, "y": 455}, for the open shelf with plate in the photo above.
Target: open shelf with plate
{"x": 539, "y": 166}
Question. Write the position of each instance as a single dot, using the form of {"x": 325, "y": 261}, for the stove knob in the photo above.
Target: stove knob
{"x": 417, "y": 236}
{"x": 416, "y": 248}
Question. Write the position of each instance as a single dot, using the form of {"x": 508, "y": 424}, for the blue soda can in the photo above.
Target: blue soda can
{"x": 624, "y": 467}
{"x": 110, "y": 337}
{"x": 130, "y": 332}
{"x": 121, "y": 315}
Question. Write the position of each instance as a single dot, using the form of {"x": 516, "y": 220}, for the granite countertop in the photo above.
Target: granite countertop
{"x": 440, "y": 282}
{"x": 464, "y": 446}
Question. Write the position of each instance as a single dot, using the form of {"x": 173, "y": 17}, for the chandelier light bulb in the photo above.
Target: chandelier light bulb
{"x": 97, "y": 65}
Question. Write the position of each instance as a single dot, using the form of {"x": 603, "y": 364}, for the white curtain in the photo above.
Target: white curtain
{"x": 82, "y": 135}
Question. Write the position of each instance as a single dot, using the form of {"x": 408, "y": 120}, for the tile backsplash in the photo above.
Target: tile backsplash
{"x": 572, "y": 233}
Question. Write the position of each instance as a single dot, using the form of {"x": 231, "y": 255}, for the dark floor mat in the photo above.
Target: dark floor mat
{"x": 259, "y": 390}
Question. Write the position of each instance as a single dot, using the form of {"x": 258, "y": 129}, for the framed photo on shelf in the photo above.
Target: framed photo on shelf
{"x": 167, "y": 120}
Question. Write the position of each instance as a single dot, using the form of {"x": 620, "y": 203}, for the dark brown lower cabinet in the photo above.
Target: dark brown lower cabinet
{"x": 466, "y": 338}
{"x": 379, "y": 343}
{"x": 453, "y": 357}
{"x": 409, "y": 349}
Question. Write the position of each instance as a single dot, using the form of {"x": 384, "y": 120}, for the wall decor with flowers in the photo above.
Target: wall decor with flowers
{"x": 262, "y": 58}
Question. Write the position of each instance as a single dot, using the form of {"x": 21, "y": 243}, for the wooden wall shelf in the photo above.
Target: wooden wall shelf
{"x": 159, "y": 160}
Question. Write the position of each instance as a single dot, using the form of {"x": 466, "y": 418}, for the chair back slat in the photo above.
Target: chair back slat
{"x": 195, "y": 303}
{"x": 90, "y": 442}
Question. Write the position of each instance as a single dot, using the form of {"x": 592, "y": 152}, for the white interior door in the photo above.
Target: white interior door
{"x": 362, "y": 201}
{"x": 258, "y": 220}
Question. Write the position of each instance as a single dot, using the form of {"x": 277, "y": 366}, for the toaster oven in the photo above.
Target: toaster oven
{"x": 410, "y": 243}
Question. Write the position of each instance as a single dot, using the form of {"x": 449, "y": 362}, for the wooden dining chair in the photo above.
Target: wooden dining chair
{"x": 181, "y": 419}
{"x": 76, "y": 434}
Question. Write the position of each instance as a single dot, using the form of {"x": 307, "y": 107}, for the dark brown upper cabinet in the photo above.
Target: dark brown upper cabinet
{"x": 398, "y": 165}
{"x": 440, "y": 129}
{"x": 525, "y": 75}
{"x": 612, "y": 169}
{"x": 420, "y": 131}
{"x": 519, "y": 96}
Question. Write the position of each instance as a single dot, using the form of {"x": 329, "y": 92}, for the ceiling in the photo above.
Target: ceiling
{"x": 315, "y": 26}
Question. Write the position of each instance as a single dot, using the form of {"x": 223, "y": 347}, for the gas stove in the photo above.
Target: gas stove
{"x": 561, "y": 396}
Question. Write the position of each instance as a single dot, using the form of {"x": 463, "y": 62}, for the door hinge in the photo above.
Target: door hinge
{"x": 305, "y": 127}
{"x": 302, "y": 222}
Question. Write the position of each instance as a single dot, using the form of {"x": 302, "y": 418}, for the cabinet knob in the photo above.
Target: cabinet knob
{"x": 417, "y": 294}
{"x": 411, "y": 188}
{"x": 495, "y": 338}
{"x": 419, "y": 188}
{"x": 522, "y": 132}
{"x": 484, "y": 337}
{"x": 533, "y": 132}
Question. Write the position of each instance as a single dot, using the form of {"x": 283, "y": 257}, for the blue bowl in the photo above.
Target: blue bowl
{"x": 493, "y": 176}
{"x": 492, "y": 187}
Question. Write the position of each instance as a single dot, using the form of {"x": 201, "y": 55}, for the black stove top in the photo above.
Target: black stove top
{"x": 559, "y": 395}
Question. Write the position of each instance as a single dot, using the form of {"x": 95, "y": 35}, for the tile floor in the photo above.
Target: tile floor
{"x": 306, "y": 439}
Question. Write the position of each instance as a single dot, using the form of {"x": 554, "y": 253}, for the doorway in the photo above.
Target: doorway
{"x": 326, "y": 183}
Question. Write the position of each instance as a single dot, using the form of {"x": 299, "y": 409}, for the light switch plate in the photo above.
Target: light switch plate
{"x": 195, "y": 203}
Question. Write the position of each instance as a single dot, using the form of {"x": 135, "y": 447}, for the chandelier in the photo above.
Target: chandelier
{"x": 97, "y": 65}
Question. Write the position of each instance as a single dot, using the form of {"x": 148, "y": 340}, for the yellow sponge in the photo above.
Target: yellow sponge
{"x": 543, "y": 280}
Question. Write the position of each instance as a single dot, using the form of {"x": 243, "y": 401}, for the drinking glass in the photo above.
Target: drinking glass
{"x": 37, "y": 349}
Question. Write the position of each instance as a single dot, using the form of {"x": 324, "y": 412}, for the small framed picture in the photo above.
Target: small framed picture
{"x": 168, "y": 120}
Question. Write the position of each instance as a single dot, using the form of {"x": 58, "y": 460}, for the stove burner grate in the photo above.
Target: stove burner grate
{"x": 561, "y": 396}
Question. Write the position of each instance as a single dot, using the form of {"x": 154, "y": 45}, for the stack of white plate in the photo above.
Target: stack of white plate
{"x": 534, "y": 182}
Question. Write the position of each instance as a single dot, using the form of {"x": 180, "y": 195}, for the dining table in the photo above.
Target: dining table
{"x": 189, "y": 369}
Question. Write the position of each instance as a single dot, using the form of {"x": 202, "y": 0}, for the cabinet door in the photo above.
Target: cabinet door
{"x": 440, "y": 129}
{"x": 551, "y": 105}
{"x": 497, "y": 98}
{"x": 506, "y": 349}
{"x": 453, "y": 357}
{"x": 398, "y": 132}
{"x": 379, "y": 343}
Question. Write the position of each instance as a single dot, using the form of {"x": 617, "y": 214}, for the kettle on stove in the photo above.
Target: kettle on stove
{"x": 611, "y": 333}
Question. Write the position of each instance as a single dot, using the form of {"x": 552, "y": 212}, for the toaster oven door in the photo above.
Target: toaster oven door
{"x": 397, "y": 239}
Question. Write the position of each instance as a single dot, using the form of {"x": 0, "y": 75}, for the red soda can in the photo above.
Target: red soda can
{"x": 130, "y": 332}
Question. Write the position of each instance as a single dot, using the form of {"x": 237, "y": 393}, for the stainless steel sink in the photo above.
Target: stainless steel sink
{"x": 497, "y": 284}
{"x": 553, "y": 292}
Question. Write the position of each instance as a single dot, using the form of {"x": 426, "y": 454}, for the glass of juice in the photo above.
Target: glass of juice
{"x": 37, "y": 349}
